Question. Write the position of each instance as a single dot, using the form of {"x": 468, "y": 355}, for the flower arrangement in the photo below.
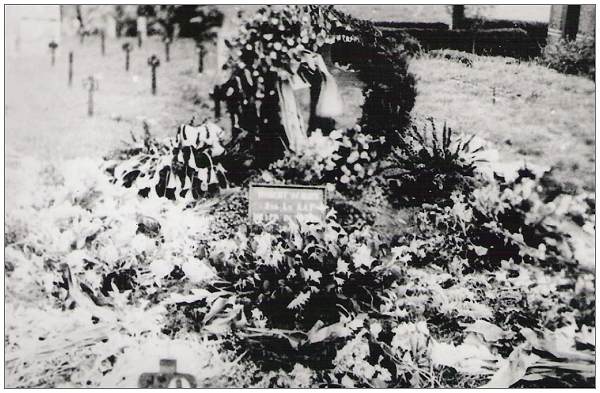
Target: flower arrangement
{"x": 345, "y": 160}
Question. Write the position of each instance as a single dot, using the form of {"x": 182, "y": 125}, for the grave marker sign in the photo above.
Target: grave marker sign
{"x": 286, "y": 203}
{"x": 167, "y": 377}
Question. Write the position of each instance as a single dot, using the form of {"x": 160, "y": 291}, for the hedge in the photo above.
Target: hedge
{"x": 536, "y": 30}
{"x": 412, "y": 25}
{"x": 491, "y": 42}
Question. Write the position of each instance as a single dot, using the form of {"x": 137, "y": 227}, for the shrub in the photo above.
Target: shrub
{"x": 412, "y": 25}
{"x": 576, "y": 57}
{"x": 428, "y": 167}
{"x": 536, "y": 30}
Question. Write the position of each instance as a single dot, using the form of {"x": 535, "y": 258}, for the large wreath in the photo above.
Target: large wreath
{"x": 273, "y": 45}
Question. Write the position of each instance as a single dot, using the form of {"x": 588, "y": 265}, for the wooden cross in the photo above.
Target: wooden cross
{"x": 127, "y": 48}
{"x": 91, "y": 84}
{"x": 102, "y": 42}
{"x": 200, "y": 58}
{"x": 167, "y": 41}
{"x": 139, "y": 38}
{"x": 52, "y": 45}
{"x": 70, "y": 68}
{"x": 153, "y": 62}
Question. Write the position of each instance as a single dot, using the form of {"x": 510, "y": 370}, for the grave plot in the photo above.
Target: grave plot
{"x": 306, "y": 239}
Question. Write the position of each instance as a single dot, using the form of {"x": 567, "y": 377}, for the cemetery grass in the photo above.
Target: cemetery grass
{"x": 537, "y": 114}
{"x": 47, "y": 121}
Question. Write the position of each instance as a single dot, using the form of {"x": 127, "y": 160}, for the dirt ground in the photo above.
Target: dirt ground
{"x": 529, "y": 111}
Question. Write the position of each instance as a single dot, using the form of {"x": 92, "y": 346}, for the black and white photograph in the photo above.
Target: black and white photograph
{"x": 299, "y": 196}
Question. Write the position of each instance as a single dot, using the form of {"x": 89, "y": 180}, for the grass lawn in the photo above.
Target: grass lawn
{"x": 538, "y": 114}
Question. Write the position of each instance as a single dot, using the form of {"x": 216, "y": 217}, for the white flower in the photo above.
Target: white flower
{"x": 160, "y": 268}
{"x": 196, "y": 270}
{"x": 375, "y": 329}
{"x": 301, "y": 376}
{"x": 363, "y": 257}
{"x": 401, "y": 254}
{"x": 342, "y": 267}
{"x": 353, "y": 157}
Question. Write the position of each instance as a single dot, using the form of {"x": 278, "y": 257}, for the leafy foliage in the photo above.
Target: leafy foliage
{"x": 577, "y": 57}
{"x": 427, "y": 168}
{"x": 184, "y": 168}
{"x": 499, "y": 222}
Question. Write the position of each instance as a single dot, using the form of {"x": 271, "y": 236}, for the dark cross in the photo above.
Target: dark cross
{"x": 102, "y": 41}
{"x": 167, "y": 47}
{"x": 81, "y": 35}
{"x": 52, "y": 45}
{"x": 200, "y": 50}
{"x": 139, "y": 37}
{"x": 70, "y": 68}
{"x": 153, "y": 62}
{"x": 127, "y": 48}
{"x": 91, "y": 84}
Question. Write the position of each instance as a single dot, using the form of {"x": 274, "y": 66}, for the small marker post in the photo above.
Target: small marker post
{"x": 102, "y": 42}
{"x": 127, "y": 48}
{"x": 153, "y": 62}
{"x": 200, "y": 49}
{"x": 167, "y": 41}
{"x": 91, "y": 84}
{"x": 52, "y": 45}
{"x": 70, "y": 68}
